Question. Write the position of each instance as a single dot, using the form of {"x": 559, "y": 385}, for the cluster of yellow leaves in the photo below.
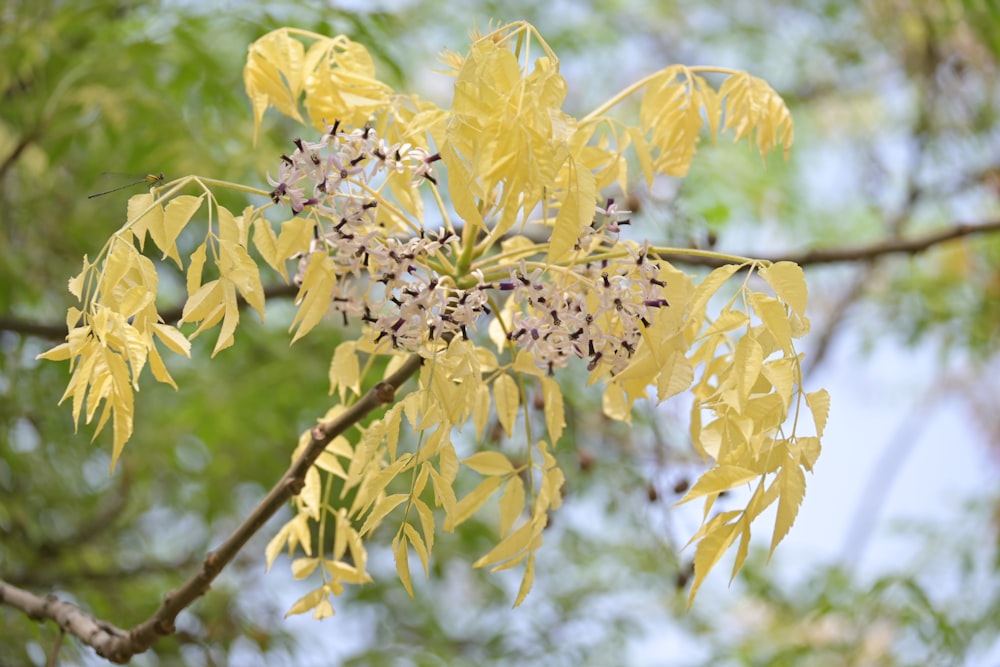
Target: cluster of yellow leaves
{"x": 374, "y": 478}
{"x": 508, "y": 150}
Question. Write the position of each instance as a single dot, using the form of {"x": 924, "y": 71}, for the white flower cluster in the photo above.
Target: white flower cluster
{"x": 595, "y": 311}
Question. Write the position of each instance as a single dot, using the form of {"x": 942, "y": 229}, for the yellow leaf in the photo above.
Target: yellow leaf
{"x": 507, "y": 399}
{"x": 323, "y": 610}
{"x": 266, "y": 242}
{"x": 426, "y": 523}
{"x": 314, "y": 295}
{"x": 402, "y": 557}
{"x": 781, "y": 374}
{"x": 60, "y": 352}
{"x": 718, "y": 479}
{"x": 236, "y": 266}
{"x": 345, "y": 370}
{"x": 156, "y": 365}
{"x": 727, "y": 321}
{"x": 204, "y": 302}
{"x": 809, "y": 450}
{"x": 718, "y": 536}
{"x": 676, "y": 375}
{"x": 273, "y": 75}
{"x": 615, "y": 404}
{"x": 775, "y": 318}
{"x": 303, "y": 567}
{"x": 526, "y": 581}
{"x": 489, "y": 463}
{"x": 511, "y": 503}
{"x": 176, "y": 216}
{"x": 296, "y": 235}
{"x": 555, "y": 415}
{"x": 819, "y": 405}
{"x": 747, "y": 365}
{"x": 462, "y": 188}
{"x": 789, "y": 283}
{"x": 481, "y": 409}
{"x": 792, "y": 488}
{"x": 704, "y": 292}
{"x": 311, "y": 494}
{"x": 231, "y": 317}
{"x": 173, "y": 338}
{"x": 307, "y": 602}
{"x": 418, "y": 544}
{"x": 230, "y": 229}
{"x": 381, "y": 509}
{"x": 468, "y": 505}
{"x": 576, "y": 210}
{"x": 510, "y": 546}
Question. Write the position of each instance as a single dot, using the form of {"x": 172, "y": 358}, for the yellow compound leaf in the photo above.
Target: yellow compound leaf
{"x": 819, "y": 405}
{"x": 481, "y": 409}
{"x": 781, "y": 373}
{"x": 792, "y": 488}
{"x": 313, "y": 298}
{"x": 511, "y": 503}
{"x": 158, "y": 368}
{"x": 402, "y": 556}
{"x": 489, "y": 463}
{"x": 426, "y": 524}
{"x": 555, "y": 415}
{"x": 789, "y": 282}
{"x": 751, "y": 104}
{"x": 340, "y": 82}
{"x": 507, "y": 398}
{"x": 195, "y": 268}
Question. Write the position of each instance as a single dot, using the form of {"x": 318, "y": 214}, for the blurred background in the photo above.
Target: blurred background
{"x": 894, "y": 557}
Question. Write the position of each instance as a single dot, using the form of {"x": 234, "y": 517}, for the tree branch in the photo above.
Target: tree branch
{"x": 118, "y": 645}
{"x": 863, "y": 253}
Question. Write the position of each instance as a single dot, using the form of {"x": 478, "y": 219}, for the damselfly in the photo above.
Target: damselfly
{"x": 148, "y": 178}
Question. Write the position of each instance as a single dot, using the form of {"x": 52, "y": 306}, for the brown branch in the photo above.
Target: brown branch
{"x": 118, "y": 645}
{"x": 861, "y": 253}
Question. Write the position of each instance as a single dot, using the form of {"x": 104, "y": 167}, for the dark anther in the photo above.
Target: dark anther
{"x": 298, "y": 144}
{"x": 358, "y": 160}
{"x": 398, "y": 156}
{"x": 379, "y": 154}
{"x": 628, "y": 347}
{"x": 289, "y": 161}
{"x": 604, "y": 277}
{"x": 431, "y": 179}
{"x": 594, "y": 361}
{"x": 366, "y": 132}
{"x": 315, "y": 158}
{"x": 555, "y": 317}
{"x": 657, "y": 282}
{"x": 369, "y": 204}
{"x": 576, "y": 334}
{"x": 336, "y": 126}
{"x": 343, "y": 174}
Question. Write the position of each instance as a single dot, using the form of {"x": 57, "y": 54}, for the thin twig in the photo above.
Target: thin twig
{"x": 119, "y": 646}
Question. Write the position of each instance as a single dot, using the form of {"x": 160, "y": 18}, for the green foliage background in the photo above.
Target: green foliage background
{"x": 143, "y": 87}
